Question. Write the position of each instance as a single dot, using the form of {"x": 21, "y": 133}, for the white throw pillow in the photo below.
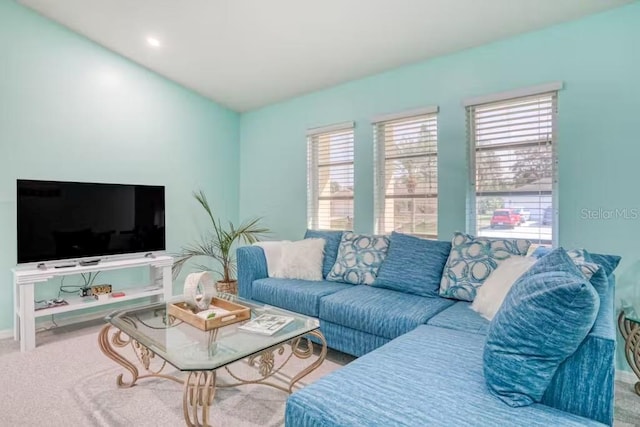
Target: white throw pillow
{"x": 492, "y": 293}
{"x": 301, "y": 260}
{"x": 273, "y": 254}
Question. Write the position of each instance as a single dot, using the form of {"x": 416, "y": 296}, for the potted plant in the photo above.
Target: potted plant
{"x": 218, "y": 244}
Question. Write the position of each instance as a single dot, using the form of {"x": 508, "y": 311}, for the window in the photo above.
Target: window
{"x": 406, "y": 174}
{"x": 330, "y": 178}
{"x": 513, "y": 173}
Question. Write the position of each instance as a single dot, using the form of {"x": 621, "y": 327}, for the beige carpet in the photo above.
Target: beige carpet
{"x": 627, "y": 412}
{"x": 67, "y": 381}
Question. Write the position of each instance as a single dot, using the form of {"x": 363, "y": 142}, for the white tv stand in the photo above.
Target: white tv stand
{"x": 24, "y": 280}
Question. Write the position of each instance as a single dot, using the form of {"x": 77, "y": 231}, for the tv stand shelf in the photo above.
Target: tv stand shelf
{"x": 25, "y": 279}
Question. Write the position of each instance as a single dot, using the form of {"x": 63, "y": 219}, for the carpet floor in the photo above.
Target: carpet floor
{"x": 67, "y": 381}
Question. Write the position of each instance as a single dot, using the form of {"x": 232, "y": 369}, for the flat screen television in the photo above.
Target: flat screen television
{"x": 78, "y": 220}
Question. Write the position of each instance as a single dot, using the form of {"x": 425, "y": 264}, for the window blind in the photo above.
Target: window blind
{"x": 330, "y": 178}
{"x": 513, "y": 173}
{"x": 406, "y": 175}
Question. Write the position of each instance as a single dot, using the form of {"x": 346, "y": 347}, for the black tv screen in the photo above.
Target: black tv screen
{"x": 71, "y": 220}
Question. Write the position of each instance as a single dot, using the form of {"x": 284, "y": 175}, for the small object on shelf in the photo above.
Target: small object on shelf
{"x": 91, "y": 291}
{"x": 101, "y": 297}
{"x": 267, "y": 324}
{"x": 63, "y": 266}
{"x": 226, "y": 313}
{"x": 117, "y": 294}
{"x": 100, "y": 289}
{"x": 41, "y": 305}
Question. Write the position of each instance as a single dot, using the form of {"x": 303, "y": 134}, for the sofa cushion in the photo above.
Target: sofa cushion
{"x": 580, "y": 257}
{"x": 300, "y": 260}
{"x": 599, "y": 279}
{"x": 380, "y": 312}
{"x": 590, "y": 370}
{"x": 301, "y": 296}
{"x": 359, "y": 258}
{"x": 460, "y": 317}
{"x": 332, "y": 241}
{"x": 493, "y": 291}
{"x": 471, "y": 261}
{"x": 350, "y": 341}
{"x": 544, "y": 318}
{"x": 413, "y": 265}
{"x": 272, "y": 253}
{"x": 608, "y": 262}
{"x": 428, "y": 377}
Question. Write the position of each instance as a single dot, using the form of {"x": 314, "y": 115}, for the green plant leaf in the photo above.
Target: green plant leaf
{"x": 218, "y": 244}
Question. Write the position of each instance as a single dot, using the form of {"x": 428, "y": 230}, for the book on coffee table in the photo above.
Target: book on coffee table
{"x": 267, "y": 324}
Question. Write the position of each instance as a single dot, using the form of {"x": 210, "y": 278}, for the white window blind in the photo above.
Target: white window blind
{"x": 406, "y": 175}
{"x": 330, "y": 178}
{"x": 513, "y": 173}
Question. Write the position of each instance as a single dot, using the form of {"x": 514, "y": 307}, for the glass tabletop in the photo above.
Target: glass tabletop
{"x": 630, "y": 313}
{"x": 189, "y": 349}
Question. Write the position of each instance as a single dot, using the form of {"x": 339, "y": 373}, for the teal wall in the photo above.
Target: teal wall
{"x": 598, "y": 146}
{"x": 72, "y": 110}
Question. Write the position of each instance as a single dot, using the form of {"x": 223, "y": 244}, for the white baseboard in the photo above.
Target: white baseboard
{"x": 626, "y": 377}
{"x": 7, "y": 333}
{"x": 70, "y": 319}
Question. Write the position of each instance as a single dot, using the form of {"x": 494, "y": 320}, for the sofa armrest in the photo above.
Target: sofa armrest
{"x": 584, "y": 382}
{"x": 252, "y": 265}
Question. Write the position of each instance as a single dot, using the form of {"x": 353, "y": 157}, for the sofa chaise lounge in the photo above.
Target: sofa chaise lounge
{"x": 420, "y": 359}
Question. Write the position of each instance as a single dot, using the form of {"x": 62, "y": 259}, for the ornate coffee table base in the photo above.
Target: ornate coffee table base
{"x": 631, "y": 333}
{"x": 200, "y": 386}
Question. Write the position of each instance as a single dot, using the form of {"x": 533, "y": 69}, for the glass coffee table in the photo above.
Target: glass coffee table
{"x": 156, "y": 338}
{"x": 629, "y": 325}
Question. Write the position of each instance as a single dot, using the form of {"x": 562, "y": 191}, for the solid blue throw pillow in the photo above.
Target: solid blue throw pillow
{"x": 332, "y": 241}
{"x": 413, "y": 265}
{"x": 546, "y": 315}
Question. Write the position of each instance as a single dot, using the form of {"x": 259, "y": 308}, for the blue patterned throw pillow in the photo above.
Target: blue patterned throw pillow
{"x": 544, "y": 318}
{"x": 359, "y": 258}
{"x": 580, "y": 257}
{"x": 472, "y": 260}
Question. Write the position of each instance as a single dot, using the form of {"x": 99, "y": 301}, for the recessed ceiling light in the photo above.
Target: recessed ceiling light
{"x": 154, "y": 42}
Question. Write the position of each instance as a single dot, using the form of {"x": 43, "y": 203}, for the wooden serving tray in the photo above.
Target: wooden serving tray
{"x": 237, "y": 313}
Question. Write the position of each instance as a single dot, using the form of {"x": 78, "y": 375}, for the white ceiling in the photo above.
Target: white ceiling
{"x": 246, "y": 54}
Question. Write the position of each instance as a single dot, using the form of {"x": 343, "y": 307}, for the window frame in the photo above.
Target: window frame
{"x": 550, "y": 89}
{"x": 380, "y": 163}
{"x": 314, "y": 221}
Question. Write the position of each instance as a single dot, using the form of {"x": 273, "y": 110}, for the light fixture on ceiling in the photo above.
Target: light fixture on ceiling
{"x": 153, "y": 42}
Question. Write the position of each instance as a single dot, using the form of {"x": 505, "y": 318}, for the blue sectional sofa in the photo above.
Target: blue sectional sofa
{"x": 420, "y": 359}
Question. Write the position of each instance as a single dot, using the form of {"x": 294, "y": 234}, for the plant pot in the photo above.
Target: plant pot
{"x": 230, "y": 287}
